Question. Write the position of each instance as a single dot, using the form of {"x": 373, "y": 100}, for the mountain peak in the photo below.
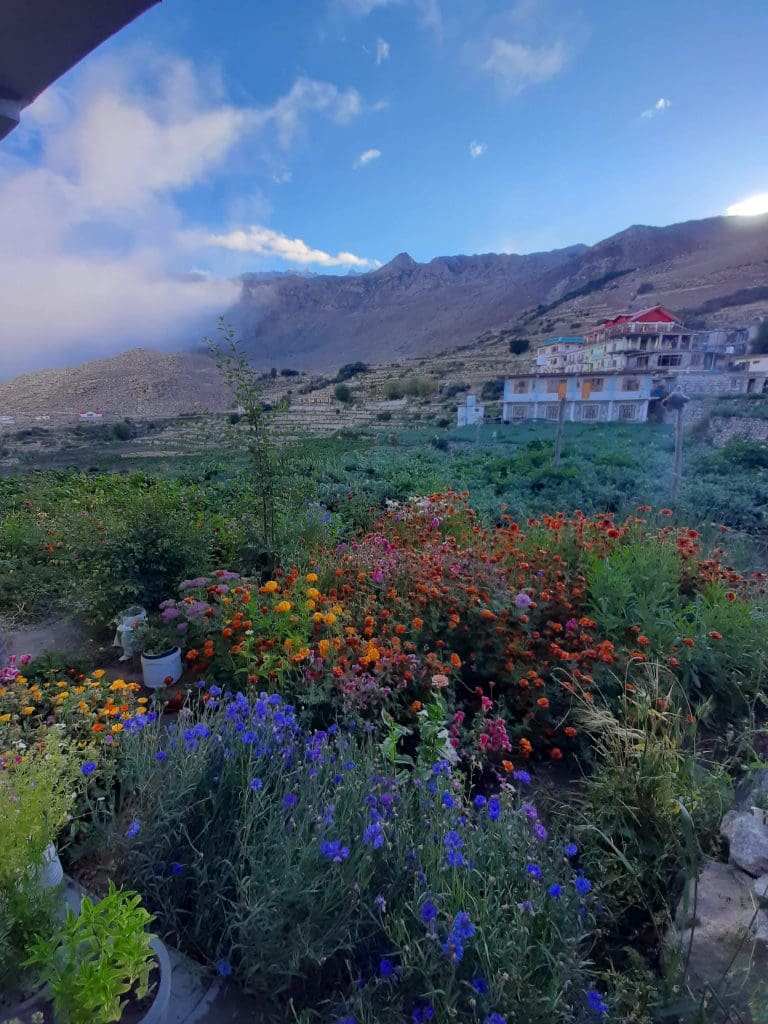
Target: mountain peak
{"x": 403, "y": 261}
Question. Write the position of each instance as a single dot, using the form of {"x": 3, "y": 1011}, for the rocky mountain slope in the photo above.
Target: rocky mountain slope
{"x": 406, "y": 309}
{"x": 713, "y": 271}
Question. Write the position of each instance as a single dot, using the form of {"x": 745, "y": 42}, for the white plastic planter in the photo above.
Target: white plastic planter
{"x": 158, "y": 1011}
{"x": 51, "y": 872}
{"x": 157, "y": 668}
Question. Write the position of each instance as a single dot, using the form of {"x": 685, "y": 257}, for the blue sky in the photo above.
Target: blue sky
{"x": 330, "y": 135}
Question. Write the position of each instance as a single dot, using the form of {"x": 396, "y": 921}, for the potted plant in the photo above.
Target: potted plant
{"x": 160, "y": 656}
{"x": 101, "y": 965}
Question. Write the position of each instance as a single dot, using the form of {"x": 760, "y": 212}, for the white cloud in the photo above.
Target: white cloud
{"x": 95, "y": 253}
{"x": 266, "y": 242}
{"x": 431, "y": 14}
{"x": 282, "y": 177}
{"x": 477, "y": 149}
{"x": 366, "y": 158}
{"x": 430, "y": 11}
{"x": 516, "y": 66}
{"x": 382, "y": 50}
{"x": 753, "y": 206}
{"x": 362, "y": 8}
{"x": 659, "y": 106}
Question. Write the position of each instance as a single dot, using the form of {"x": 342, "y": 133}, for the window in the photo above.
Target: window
{"x": 520, "y": 387}
{"x": 630, "y": 384}
{"x": 553, "y": 411}
{"x": 553, "y": 386}
{"x": 670, "y": 359}
{"x": 627, "y": 411}
{"x": 519, "y": 412}
{"x": 597, "y": 383}
{"x": 590, "y": 411}
{"x": 734, "y": 384}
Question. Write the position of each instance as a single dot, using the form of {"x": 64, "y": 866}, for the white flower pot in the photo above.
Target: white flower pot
{"x": 51, "y": 872}
{"x": 157, "y": 668}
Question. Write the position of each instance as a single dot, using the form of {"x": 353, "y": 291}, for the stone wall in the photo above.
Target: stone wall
{"x": 725, "y": 428}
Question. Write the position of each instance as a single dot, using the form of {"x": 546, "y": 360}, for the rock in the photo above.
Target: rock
{"x": 761, "y": 926}
{"x": 760, "y": 887}
{"x": 726, "y": 825}
{"x": 717, "y": 933}
{"x": 752, "y": 790}
{"x": 748, "y": 840}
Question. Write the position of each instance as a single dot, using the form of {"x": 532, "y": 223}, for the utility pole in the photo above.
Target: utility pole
{"x": 677, "y": 402}
{"x": 559, "y": 434}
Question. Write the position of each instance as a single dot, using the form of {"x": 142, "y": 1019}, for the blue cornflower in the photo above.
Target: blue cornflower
{"x": 88, "y": 768}
{"x": 522, "y": 776}
{"x": 453, "y": 843}
{"x": 448, "y": 800}
{"x": 479, "y": 801}
{"x": 529, "y": 811}
{"x": 290, "y": 800}
{"x": 161, "y": 756}
{"x": 583, "y": 885}
{"x": 255, "y": 785}
{"x": 386, "y": 967}
{"x": 347, "y": 1020}
{"x": 215, "y": 691}
{"x": 133, "y": 829}
{"x": 334, "y": 851}
{"x": 480, "y": 985}
{"x": 373, "y": 835}
{"x": 540, "y": 832}
{"x": 571, "y": 850}
{"x": 494, "y": 808}
{"x": 224, "y": 968}
{"x": 462, "y": 926}
{"x": 423, "y": 1013}
{"x": 428, "y": 912}
{"x": 534, "y": 871}
{"x": 176, "y": 868}
{"x": 381, "y": 903}
{"x": 555, "y": 891}
{"x": 596, "y": 1003}
{"x": 496, "y": 1018}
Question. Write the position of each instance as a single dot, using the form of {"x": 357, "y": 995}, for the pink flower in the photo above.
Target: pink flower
{"x": 487, "y": 703}
{"x": 440, "y": 681}
{"x": 25, "y": 659}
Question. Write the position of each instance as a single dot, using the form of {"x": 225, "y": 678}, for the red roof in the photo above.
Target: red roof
{"x": 653, "y": 315}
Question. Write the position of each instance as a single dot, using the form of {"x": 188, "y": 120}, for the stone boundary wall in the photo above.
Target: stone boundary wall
{"x": 726, "y": 428}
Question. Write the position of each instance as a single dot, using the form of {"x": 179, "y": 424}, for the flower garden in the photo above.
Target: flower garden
{"x": 435, "y": 768}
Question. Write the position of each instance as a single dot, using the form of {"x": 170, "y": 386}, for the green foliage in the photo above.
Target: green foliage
{"x": 25, "y": 911}
{"x": 653, "y": 806}
{"x": 36, "y": 794}
{"x": 95, "y": 959}
{"x": 412, "y": 387}
{"x": 350, "y": 370}
{"x": 125, "y": 430}
{"x": 492, "y": 390}
{"x": 760, "y": 344}
{"x": 517, "y": 346}
{"x": 342, "y": 393}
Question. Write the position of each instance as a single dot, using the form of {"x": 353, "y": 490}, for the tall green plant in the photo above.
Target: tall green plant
{"x": 245, "y": 384}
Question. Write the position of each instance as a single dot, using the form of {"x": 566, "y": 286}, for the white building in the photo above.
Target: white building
{"x": 91, "y": 415}
{"x": 470, "y": 413}
{"x": 7, "y": 421}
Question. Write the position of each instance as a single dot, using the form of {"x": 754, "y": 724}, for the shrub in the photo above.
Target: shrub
{"x": 349, "y": 370}
{"x": 388, "y": 874}
{"x": 125, "y": 430}
{"x": 645, "y": 287}
{"x": 384, "y": 416}
{"x": 492, "y": 390}
{"x": 517, "y": 346}
{"x": 342, "y": 393}
{"x": 289, "y": 373}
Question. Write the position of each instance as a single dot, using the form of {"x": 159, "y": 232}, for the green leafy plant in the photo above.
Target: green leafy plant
{"x": 94, "y": 959}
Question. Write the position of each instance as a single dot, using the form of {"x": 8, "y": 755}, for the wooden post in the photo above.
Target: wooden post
{"x": 559, "y": 434}
{"x": 677, "y": 472}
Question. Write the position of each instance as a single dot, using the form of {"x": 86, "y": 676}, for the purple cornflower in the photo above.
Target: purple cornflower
{"x": 522, "y": 776}
{"x": 453, "y": 844}
{"x": 423, "y": 1013}
{"x": 529, "y": 811}
{"x": 88, "y": 768}
{"x": 381, "y": 903}
{"x": 526, "y": 907}
{"x": 540, "y": 832}
{"x": 133, "y": 829}
{"x": 215, "y": 691}
{"x": 523, "y": 601}
{"x": 462, "y": 930}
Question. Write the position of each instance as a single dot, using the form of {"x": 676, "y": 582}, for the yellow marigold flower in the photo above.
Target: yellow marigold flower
{"x": 82, "y": 706}
{"x": 373, "y": 653}
{"x": 141, "y": 711}
{"x": 283, "y": 607}
{"x": 311, "y": 577}
{"x": 21, "y": 679}
{"x": 142, "y": 700}
{"x": 3, "y": 691}
{"x": 329, "y": 619}
{"x": 323, "y": 647}
{"x": 133, "y": 687}
{"x": 311, "y": 605}
{"x": 270, "y": 587}
{"x": 5, "y": 718}
{"x": 28, "y": 710}
{"x": 288, "y": 645}
{"x": 98, "y": 673}
{"x": 117, "y": 727}
{"x": 337, "y": 609}
{"x": 313, "y": 592}
{"x": 78, "y": 689}
{"x": 119, "y": 684}
{"x": 318, "y": 617}
{"x": 61, "y": 683}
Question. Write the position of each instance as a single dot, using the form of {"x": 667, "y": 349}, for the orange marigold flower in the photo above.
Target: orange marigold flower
{"x": 714, "y": 634}
{"x": 226, "y": 632}
{"x": 731, "y": 596}
{"x": 556, "y": 754}
{"x": 487, "y": 614}
{"x": 689, "y": 642}
{"x": 269, "y": 587}
{"x": 417, "y": 623}
{"x": 507, "y": 766}
{"x": 543, "y": 702}
{"x": 97, "y": 727}
{"x": 283, "y": 607}
{"x": 455, "y": 660}
{"x": 643, "y": 641}
{"x": 416, "y": 705}
{"x": 192, "y": 655}
{"x": 570, "y": 732}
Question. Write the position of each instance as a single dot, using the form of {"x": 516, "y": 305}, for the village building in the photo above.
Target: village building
{"x": 91, "y": 415}
{"x": 609, "y": 396}
{"x": 470, "y": 413}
